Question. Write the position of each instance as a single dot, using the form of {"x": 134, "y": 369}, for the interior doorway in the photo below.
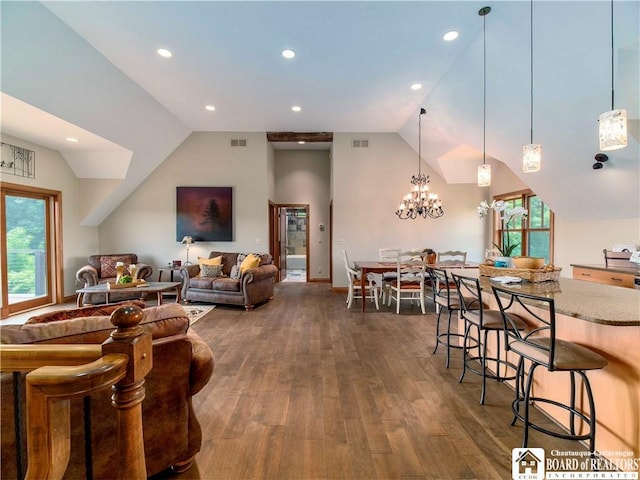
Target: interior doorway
{"x": 290, "y": 241}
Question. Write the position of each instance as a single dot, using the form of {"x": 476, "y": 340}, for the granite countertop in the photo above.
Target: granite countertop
{"x": 602, "y": 266}
{"x": 592, "y": 302}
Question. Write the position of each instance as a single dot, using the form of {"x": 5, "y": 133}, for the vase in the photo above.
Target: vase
{"x": 503, "y": 262}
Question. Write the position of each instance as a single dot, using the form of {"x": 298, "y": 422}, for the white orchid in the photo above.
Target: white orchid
{"x": 507, "y": 215}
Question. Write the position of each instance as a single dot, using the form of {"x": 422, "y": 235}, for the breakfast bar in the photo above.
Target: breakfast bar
{"x": 605, "y": 319}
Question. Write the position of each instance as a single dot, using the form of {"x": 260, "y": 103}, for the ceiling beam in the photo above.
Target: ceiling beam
{"x": 300, "y": 137}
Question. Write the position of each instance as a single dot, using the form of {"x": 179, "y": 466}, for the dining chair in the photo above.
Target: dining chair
{"x": 541, "y": 348}
{"x": 451, "y": 258}
{"x": 409, "y": 283}
{"x": 355, "y": 285}
{"x": 387, "y": 255}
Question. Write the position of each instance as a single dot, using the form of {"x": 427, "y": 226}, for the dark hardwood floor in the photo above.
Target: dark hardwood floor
{"x": 305, "y": 389}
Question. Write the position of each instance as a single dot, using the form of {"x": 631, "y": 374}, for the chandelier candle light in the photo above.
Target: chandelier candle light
{"x": 419, "y": 202}
{"x": 612, "y": 127}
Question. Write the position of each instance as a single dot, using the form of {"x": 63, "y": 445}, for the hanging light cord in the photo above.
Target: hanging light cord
{"x": 420, "y": 140}
{"x": 612, "y": 55}
{"x": 484, "y": 88}
{"x": 531, "y": 78}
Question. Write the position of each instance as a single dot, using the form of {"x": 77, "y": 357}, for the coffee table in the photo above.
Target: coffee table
{"x": 149, "y": 287}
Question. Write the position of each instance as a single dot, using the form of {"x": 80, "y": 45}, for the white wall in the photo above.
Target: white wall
{"x": 53, "y": 173}
{"x": 145, "y": 223}
{"x": 303, "y": 177}
{"x": 368, "y": 184}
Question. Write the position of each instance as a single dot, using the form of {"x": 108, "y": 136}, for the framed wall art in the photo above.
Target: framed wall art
{"x": 204, "y": 213}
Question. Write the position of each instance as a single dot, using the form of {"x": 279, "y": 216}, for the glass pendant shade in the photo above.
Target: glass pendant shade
{"x": 613, "y": 130}
{"x": 484, "y": 175}
{"x": 531, "y": 157}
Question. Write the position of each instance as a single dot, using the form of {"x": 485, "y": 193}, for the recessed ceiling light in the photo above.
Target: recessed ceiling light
{"x": 211, "y": 108}
{"x": 301, "y": 142}
{"x": 163, "y": 52}
{"x": 72, "y": 140}
{"x": 416, "y": 86}
{"x": 452, "y": 35}
{"x": 288, "y": 53}
{"x": 296, "y": 108}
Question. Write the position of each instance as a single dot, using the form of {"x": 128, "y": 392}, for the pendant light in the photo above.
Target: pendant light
{"x": 484, "y": 170}
{"x": 532, "y": 153}
{"x": 612, "y": 129}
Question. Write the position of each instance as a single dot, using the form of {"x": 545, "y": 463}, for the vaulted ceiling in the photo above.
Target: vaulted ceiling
{"x": 93, "y": 67}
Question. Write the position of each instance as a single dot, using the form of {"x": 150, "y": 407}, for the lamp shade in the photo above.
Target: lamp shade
{"x": 188, "y": 240}
{"x": 613, "y": 129}
{"x": 484, "y": 175}
{"x": 531, "y": 157}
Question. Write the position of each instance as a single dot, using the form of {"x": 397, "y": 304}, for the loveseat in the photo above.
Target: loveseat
{"x": 228, "y": 285}
{"x": 182, "y": 366}
{"x": 102, "y": 269}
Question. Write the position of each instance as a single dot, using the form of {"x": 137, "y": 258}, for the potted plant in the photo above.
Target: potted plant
{"x": 508, "y": 217}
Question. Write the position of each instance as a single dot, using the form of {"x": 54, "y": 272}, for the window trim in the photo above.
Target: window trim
{"x": 525, "y": 196}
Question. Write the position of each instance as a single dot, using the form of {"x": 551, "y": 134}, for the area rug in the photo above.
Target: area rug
{"x": 196, "y": 312}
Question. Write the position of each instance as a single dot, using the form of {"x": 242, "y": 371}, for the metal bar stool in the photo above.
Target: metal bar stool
{"x": 445, "y": 297}
{"x": 484, "y": 321}
{"x": 541, "y": 348}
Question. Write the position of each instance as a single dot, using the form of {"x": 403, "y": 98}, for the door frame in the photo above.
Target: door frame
{"x": 275, "y": 219}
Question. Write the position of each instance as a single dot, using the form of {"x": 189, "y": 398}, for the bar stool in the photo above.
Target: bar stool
{"x": 541, "y": 348}
{"x": 484, "y": 321}
{"x": 445, "y": 297}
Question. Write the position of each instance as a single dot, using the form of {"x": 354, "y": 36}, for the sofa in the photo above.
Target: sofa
{"x": 229, "y": 285}
{"x": 182, "y": 366}
{"x": 101, "y": 268}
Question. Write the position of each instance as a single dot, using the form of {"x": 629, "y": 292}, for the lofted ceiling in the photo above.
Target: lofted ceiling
{"x": 354, "y": 65}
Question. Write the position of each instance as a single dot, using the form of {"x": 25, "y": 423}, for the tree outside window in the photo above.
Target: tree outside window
{"x": 533, "y": 233}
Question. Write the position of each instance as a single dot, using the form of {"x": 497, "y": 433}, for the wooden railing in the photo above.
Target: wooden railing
{"x": 58, "y": 373}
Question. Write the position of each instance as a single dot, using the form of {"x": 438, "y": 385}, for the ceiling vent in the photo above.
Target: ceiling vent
{"x": 360, "y": 143}
{"x": 238, "y": 142}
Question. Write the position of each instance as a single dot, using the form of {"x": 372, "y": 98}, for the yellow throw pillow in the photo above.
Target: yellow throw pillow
{"x": 250, "y": 261}
{"x": 210, "y": 261}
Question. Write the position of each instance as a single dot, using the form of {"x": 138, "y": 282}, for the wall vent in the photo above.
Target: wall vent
{"x": 360, "y": 144}
{"x": 238, "y": 142}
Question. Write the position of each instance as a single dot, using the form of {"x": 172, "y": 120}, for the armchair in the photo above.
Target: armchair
{"x": 101, "y": 268}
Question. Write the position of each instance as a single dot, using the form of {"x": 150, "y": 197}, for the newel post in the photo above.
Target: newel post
{"x": 129, "y": 338}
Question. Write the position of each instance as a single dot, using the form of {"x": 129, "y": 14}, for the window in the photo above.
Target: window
{"x": 533, "y": 234}
{"x": 30, "y": 235}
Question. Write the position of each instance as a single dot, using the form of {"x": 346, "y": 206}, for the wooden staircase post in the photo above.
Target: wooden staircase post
{"x": 128, "y": 394}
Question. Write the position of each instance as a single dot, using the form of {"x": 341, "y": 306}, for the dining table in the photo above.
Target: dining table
{"x": 365, "y": 267}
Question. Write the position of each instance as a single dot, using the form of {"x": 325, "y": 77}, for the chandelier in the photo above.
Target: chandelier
{"x": 419, "y": 202}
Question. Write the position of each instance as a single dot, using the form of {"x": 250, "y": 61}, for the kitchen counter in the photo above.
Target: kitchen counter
{"x": 623, "y": 276}
{"x": 605, "y": 319}
{"x": 602, "y": 267}
{"x": 592, "y": 302}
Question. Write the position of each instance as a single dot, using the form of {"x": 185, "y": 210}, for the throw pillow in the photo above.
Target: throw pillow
{"x": 210, "y": 261}
{"x": 235, "y": 272}
{"x": 210, "y": 270}
{"x": 249, "y": 262}
{"x": 108, "y": 264}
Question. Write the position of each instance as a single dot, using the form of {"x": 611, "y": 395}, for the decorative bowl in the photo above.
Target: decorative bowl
{"x": 533, "y": 263}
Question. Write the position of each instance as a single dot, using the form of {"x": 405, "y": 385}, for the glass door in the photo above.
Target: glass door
{"x": 26, "y": 253}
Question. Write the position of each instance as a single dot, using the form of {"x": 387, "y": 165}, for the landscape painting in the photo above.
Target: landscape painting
{"x": 204, "y": 213}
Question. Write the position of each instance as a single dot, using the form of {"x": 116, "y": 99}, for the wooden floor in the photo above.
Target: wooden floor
{"x": 305, "y": 389}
